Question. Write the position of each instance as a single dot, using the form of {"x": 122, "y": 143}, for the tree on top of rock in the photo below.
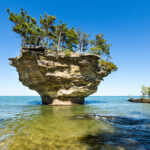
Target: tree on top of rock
{"x": 100, "y": 46}
{"x": 26, "y": 26}
{"x": 82, "y": 41}
{"x": 71, "y": 39}
{"x": 47, "y": 26}
{"x": 59, "y": 37}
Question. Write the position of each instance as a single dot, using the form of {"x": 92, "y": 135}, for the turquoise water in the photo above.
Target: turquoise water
{"x": 26, "y": 124}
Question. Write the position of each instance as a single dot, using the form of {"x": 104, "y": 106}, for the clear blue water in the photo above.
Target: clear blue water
{"x": 27, "y": 124}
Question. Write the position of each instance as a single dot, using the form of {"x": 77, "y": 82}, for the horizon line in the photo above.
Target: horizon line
{"x": 85, "y": 97}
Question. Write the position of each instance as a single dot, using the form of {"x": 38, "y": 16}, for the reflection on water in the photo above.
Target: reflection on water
{"x": 25, "y": 124}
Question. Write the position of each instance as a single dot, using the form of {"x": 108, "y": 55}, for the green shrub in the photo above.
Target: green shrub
{"x": 67, "y": 52}
{"x": 109, "y": 66}
{"x": 145, "y": 91}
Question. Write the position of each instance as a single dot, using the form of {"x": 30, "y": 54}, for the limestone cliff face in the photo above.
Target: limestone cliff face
{"x": 59, "y": 78}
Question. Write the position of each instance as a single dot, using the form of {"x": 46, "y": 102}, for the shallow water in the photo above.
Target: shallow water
{"x": 26, "y": 124}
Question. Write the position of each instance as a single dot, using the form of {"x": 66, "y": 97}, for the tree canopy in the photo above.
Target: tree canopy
{"x": 58, "y": 36}
{"x": 145, "y": 91}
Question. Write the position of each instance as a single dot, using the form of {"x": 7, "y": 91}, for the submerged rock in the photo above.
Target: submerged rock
{"x": 113, "y": 119}
{"x": 139, "y": 100}
{"x": 93, "y": 116}
{"x": 60, "y": 79}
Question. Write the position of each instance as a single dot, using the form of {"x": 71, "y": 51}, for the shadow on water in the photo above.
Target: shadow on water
{"x": 35, "y": 103}
{"x": 129, "y": 134}
{"x": 86, "y": 102}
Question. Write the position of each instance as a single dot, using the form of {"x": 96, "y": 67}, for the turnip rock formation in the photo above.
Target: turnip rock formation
{"x": 59, "y": 78}
{"x": 63, "y": 64}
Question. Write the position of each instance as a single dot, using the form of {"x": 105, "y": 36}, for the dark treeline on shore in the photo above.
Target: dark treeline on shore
{"x": 58, "y": 36}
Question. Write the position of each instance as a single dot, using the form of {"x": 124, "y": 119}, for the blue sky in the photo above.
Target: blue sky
{"x": 125, "y": 23}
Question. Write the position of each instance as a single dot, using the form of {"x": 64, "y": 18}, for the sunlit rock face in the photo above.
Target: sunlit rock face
{"x": 60, "y": 79}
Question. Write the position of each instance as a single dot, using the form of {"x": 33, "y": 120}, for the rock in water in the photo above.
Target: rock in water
{"x": 60, "y": 79}
{"x": 139, "y": 100}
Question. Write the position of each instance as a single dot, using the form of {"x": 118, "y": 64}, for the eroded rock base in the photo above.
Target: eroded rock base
{"x": 46, "y": 100}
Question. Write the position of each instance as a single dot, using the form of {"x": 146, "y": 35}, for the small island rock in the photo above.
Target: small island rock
{"x": 139, "y": 100}
{"x": 60, "y": 79}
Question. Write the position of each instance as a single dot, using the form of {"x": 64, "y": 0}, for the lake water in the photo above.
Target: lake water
{"x": 25, "y": 124}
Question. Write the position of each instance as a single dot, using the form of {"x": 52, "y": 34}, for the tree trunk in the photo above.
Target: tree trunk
{"x": 59, "y": 40}
{"x": 38, "y": 41}
{"x": 22, "y": 41}
{"x": 77, "y": 47}
{"x": 81, "y": 45}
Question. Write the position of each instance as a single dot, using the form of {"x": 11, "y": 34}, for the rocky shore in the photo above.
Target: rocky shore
{"x": 59, "y": 78}
{"x": 139, "y": 100}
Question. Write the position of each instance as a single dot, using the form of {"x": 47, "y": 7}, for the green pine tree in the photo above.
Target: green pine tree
{"x": 60, "y": 35}
{"x": 71, "y": 39}
{"x": 100, "y": 46}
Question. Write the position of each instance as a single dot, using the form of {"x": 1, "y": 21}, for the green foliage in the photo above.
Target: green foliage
{"x": 67, "y": 52}
{"x": 71, "y": 39}
{"x": 99, "y": 46}
{"x": 47, "y": 24}
{"x": 26, "y": 27}
{"x": 59, "y": 37}
{"x": 148, "y": 91}
{"x": 109, "y": 66}
{"x": 145, "y": 91}
{"x": 82, "y": 41}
